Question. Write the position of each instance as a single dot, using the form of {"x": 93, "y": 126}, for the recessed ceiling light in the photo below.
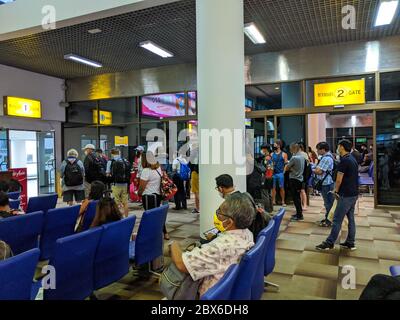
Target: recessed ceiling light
{"x": 79, "y": 59}
{"x": 151, "y": 46}
{"x": 387, "y": 10}
{"x": 94, "y": 31}
{"x": 277, "y": 88}
{"x": 251, "y": 30}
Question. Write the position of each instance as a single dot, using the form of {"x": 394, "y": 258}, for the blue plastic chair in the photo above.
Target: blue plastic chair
{"x": 16, "y": 275}
{"x": 22, "y": 232}
{"x": 89, "y": 215}
{"x": 111, "y": 262}
{"x": 58, "y": 223}
{"x": 14, "y": 195}
{"x": 14, "y": 204}
{"x": 149, "y": 240}
{"x": 223, "y": 289}
{"x": 269, "y": 263}
{"x": 249, "y": 263}
{"x": 258, "y": 284}
{"x": 42, "y": 203}
{"x": 73, "y": 261}
{"x": 395, "y": 271}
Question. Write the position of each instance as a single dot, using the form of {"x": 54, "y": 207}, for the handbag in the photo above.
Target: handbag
{"x": 168, "y": 189}
{"x": 176, "y": 285}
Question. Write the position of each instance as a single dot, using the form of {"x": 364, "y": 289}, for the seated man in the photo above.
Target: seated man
{"x": 210, "y": 262}
{"x": 5, "y": 211}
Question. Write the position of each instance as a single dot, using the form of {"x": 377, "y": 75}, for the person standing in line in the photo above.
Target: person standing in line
{"x": 312, "y": 156}
{"x": 304, "y": 188}
{"x": 295, "y": 167}
{"x": 94, "y": 170}
{"x": 279, "y": 160}
{"x": 346, "y": 193}
{"x": 194, "y": 179}
{"x": 100, "y": 154}
{"x": 119, "y": 171}
{"x": 72, "y": 174}
{"x": 178, "y": 165}
{"x": 324, "y": 173}
{"x": 150, "y": 184}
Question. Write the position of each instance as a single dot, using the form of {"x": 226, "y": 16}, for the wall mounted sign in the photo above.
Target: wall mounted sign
{"x": 339, "y": 93}
{"x": 105, "y": 117}
{"x": 121, "y": 141}
{"x": 22, "y": 107}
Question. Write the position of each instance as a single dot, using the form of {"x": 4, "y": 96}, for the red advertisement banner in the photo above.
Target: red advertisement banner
{"x": 20, "y": 174}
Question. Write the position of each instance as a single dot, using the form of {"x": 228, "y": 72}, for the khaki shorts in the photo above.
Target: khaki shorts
{"x": 194, "y": 182}
{"x": 120, "y": 194}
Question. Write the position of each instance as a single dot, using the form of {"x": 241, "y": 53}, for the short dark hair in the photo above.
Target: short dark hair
{"x": 323, "y": 146}
{"x": 97, "y": 189}
{"x": 99, "y": 150}
{"x": 4, "y": 186}
{"x": 266, "y": 146}
{"x": 346, "y": 144}
{"x": 4, "y": 200}
{"x": 224, "y": 180}
{"x": 302, "y": 145}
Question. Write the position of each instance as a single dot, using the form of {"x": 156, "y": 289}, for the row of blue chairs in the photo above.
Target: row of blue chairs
{"x": 395, "y": 271}
{"x": 245, "y": 281}
{"x": 86, "y": 261}
{"x": 35, "y": 204}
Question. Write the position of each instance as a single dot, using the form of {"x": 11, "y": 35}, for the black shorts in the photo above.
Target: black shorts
{"x": 79, "y": 195}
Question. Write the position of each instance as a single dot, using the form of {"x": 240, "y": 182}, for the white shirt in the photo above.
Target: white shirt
{"x": 153, "y": 180}
{"x": 176, "y": 164}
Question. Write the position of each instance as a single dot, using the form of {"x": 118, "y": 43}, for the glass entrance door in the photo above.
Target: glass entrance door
{"x": 46, "y": 162}
{"x": 3, "y": 150}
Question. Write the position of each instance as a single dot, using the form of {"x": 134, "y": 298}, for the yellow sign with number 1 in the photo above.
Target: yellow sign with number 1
{"x": 339, "y": 93}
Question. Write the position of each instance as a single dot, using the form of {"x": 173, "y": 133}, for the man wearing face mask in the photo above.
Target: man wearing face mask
{"x": 210, "y": 262}
{"x": 225, "y": 186}
{"x": 279, "y": 160}
{"x": 346, "y": 193}
{"x": 94, "y": 170}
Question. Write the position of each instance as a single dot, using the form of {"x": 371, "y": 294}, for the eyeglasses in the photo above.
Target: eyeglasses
{"x": 219, "y": 213}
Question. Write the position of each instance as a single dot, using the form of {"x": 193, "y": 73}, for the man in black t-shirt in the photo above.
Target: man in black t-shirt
{"x": 346, "y": 193}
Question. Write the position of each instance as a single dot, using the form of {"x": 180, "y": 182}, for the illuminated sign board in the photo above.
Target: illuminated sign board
{"x": 121, "y": 141}
{"x": 105, "y": 117}
{"x": 339, "y": 93}
{"x": 21, "y": 107}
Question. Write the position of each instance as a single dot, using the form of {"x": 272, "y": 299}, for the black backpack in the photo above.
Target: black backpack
{"x": 73, "y": 175}
{"x": 120, "y": 171}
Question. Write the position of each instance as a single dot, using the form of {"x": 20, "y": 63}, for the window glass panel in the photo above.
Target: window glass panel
{"x": 390, "y": 86}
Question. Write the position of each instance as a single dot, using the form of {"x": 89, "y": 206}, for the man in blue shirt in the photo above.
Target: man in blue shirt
{"x": 346, "y": 193}
{"x": 324, "y": 173}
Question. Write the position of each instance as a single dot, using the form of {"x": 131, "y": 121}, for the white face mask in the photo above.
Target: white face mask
{"x": 115, "y": 157}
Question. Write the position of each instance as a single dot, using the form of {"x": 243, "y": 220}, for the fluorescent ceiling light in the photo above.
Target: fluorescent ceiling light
{"x": 83, "y": 60}
{"x": 151, "y": 46}
{"x": 251, "y": 30}
{"x": 94, "y": 31}
{"x": 387, "y": 10}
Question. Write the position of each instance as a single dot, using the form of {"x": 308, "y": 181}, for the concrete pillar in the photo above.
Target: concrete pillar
{"x": 221, "y": 92}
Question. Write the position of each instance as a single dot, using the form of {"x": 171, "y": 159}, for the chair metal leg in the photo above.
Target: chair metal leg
{"x": 270, "y": 284}
{"x": 153, "y": 273}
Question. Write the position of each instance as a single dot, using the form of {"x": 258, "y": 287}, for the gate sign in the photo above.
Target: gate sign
{"x": 21, "y": 107}
{"x": 20, "y": 174}
{"x": 121, "y": 141}
{"x": 339, "y": 93}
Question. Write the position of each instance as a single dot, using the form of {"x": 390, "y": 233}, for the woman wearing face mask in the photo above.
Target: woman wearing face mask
{"x": 210, "y": 262}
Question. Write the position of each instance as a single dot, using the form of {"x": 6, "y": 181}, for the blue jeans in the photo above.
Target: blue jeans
{"x": 345, "y": 207}
{"x": 328, "y": 198}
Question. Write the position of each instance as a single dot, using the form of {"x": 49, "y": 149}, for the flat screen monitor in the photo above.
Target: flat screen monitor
{"x": 164, "y": 105}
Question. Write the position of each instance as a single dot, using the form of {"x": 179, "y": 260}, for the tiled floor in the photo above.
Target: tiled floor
{"x": 301, "y": 271}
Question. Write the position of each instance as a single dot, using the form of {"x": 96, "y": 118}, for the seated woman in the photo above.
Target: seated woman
{"x": 5, "y": 251}
{"x": 211, "y": 261}
{"x": 97, "y": 189}
{"x": 5, "y": 210}
{"x": 107, "y": 211}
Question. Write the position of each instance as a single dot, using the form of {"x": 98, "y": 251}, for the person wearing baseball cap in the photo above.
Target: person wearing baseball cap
{"x": 94, "y": 170}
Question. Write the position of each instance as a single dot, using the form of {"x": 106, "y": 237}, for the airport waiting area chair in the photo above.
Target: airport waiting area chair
{"x": 250, "y": 262}
{"x": 149, "y": 240}
{"x": 73, "y": 260}
{"x": 22, "y": 231}
{"x": 58, "y": 223}
{"x": 14, "y": 204}
{"x": 111, "y": 262}
{"x": 14, "y": 195}
{"x": 395, "y": 271}
{"x": 89, "y": 215}
{"x": 42, "y": 203}
{"x": 269, "y": 263}
{"x": 16, "y": 275}
{"x": 367, "y": 179}
{"x": 223, "y": 289}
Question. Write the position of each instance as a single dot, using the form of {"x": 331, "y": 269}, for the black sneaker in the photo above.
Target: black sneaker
{"x": 325, "y": 223}
{"x": 324, "y": 246}
{"x": 295, "y": 218}
{"x": 348, "y": 246}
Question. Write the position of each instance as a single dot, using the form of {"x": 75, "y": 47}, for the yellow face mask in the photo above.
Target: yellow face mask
{"x": 218, "y": 223}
